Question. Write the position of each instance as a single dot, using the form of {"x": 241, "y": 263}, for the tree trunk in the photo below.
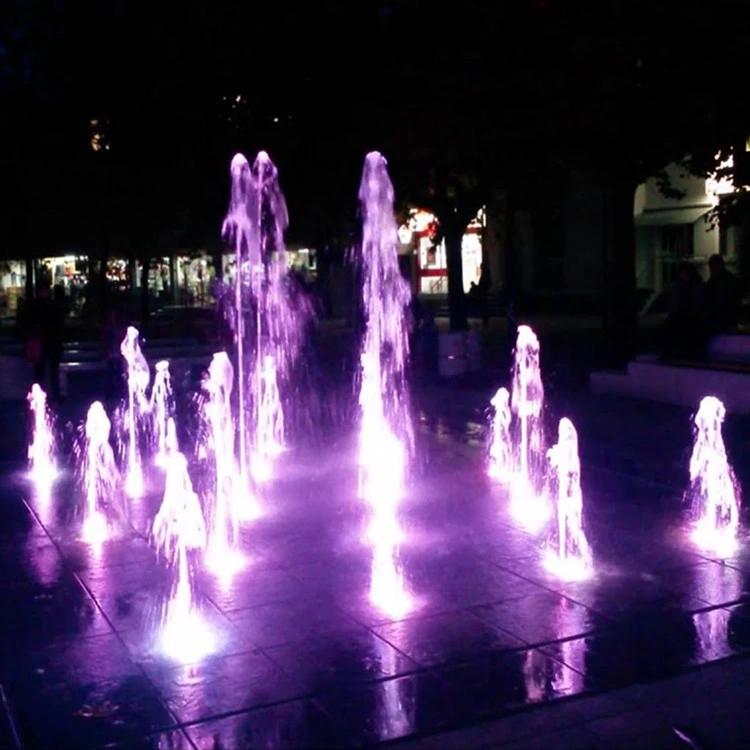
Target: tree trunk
{"x": 620, "y": 311}
{"x": 453, "y": 235}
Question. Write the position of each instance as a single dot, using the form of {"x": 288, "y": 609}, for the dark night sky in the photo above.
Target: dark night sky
{"x": 426, "y": 82}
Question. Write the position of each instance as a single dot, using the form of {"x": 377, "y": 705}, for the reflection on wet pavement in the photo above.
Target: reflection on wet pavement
{"x": 304, "y": 660}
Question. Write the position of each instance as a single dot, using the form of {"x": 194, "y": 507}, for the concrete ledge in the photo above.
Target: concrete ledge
{"x": 729, "y": 347}
{"x": 670, "y": 384}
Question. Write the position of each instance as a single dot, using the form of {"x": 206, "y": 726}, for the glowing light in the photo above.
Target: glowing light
{"x": 714, "y": 493}
{"x": 499, "y": 464}
{"x": 100, "y": 476}
{"x": 99, "y": 140}
{"x": 386, "y": 437}
{"x": 138, "y": 380}
{"x": 42, "y": 448}
{"x": 716, "y": 185}
{"x": 570, "y": 556}
{"x": 528, "y": 504}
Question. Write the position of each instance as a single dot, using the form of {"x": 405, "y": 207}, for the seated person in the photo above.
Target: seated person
{"x": 684, "y": 331}
{"x": 723, "y": 295}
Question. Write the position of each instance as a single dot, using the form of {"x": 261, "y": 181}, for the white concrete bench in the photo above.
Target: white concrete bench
{"x": 677, "y": 383}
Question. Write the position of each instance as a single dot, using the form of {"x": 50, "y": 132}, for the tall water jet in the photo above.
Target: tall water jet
{"x": 179, "y": 530}
{"x": 386, "y": 432}
{"x": 100, "y": 477}
{"x": 137, "y": 407}
{"x": 500, "y": 463}
{"x": 41, "y": 454}
{"x": 714, "y": 494}
{"x": 570, "y": 555}
{"x": 161, "y": 408}
{"x": 254, "y": 226}
{"x": 527, "y": 401}
{"x": 270, "y": 416}
{"x": 224, "y": 511}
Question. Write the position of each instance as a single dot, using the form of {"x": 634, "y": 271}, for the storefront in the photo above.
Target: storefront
{"x": 12, "y": 286}
{"x": 303, "y": 261}
{"x": 68, "y": 272}
{"x": 418, "y": 235}
{"x": 299, "y": 260}
{"x": 196, "y": 281}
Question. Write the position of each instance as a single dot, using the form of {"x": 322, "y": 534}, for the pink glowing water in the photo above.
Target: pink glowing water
{"x": 270, "y": 415}
{"x": 570, "y": 556}
{"x": 255, "y": 225}
{"x": 527, "y": 401}
{"x": 137, "y": 408}
{"x": 161, "y": 408}
{"x": 229, "y": 494}
{"x": 714, "y": 493}
{"x": 42, "y": 449}
{"x": 100, "y": 476}
{"x": 500, "y": 457}
{"x": 179, "y": 530}
{"x": 386, "y": 437}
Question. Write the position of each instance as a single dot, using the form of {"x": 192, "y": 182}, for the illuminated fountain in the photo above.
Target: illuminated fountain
{"x": 270, "y": 427}
{"x": 527, "y": 401}
{"x": 42, "y": 447}
{"x": 254, "y": 226}
{"x": 570, "y": 555}
{"x": 137, "y": 408}
{"x": 178, "y": 531}
{"x": 714, "y": 493}
{"x": 100, "y": 477}
{"x": 161, "y": 409}
{"x": 386, "y": 438}
{"x": 500, "y": 464}
{"x": 227, "y": 496}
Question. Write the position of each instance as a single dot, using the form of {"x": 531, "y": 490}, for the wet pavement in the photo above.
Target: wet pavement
{"x": 303, "y": 658}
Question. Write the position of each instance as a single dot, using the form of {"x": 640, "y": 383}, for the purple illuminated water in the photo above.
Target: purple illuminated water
{"x": 161, "y": 408}
{"x": 570, "y": 555}
{"x": 229, "y": 493}
{"x": 100, "y": 477}
{"x": 42, "y": 449}
{"x": 500, "y": 457}
{"x": 138, "y": 375}
{"x": 714, "y": 493}
{"x": 179, "y": 530}
{"x": 386, "y": 436}
{"x": 263, "y": 295}
{"x": 527, "y": 401}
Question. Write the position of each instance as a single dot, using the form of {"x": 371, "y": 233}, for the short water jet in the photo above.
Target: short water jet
{"x": 42, "y": 449}
{"x": 138, "y": 379}
{"x": 100, "y": 478}
{"x": 228, "y": 492}
{"x": 527, "y": 401}
{"x": 714, "y": 493}
{"x": 161, "y": 408}
{"x": 569, "y": 556}
{"x": 179, "y": 530}
{"x": 499, "y": 454}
